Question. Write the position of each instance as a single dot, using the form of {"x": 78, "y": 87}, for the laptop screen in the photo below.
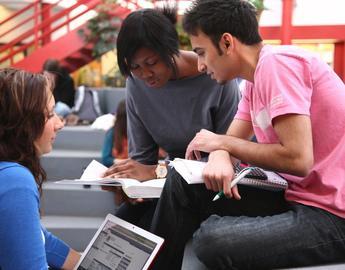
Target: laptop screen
{"x": 117, "y": 247}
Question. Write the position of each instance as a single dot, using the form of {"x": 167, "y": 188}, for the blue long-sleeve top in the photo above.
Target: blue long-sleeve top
{"x": 107, "y": 154}
{"x": 24, "y": 243}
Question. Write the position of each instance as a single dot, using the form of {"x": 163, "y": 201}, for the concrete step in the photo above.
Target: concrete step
{"x": 79, "y": 138}
{"x": 75, "y": 231}
{"x": 67, "y": 164}
{"x": 75, "y": 200}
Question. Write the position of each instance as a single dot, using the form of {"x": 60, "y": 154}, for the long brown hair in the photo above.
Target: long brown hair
{"x": 23, "y": 112}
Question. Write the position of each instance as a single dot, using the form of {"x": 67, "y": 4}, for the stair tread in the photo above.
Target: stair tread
{"x": 53, "y": 186}
{"x": 71, "y": 222}
{"x": 73, "y": 153}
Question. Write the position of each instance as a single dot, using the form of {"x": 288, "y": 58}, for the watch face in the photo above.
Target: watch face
{"x": 161, "y": 171}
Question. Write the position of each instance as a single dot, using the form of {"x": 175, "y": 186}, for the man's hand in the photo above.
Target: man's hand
{"x": 218, "y": 174}
{"x": 204, "y": 141}
{"x": 130, "y": 168}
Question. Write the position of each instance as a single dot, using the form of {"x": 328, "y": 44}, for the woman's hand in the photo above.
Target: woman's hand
{"x": 130, "y": 168}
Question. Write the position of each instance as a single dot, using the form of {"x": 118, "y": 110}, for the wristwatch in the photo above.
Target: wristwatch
{"x": 161, "y": 171}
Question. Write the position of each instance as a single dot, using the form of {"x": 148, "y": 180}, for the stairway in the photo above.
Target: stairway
{"x": 28, "y": 49}
{"x": 74, "y": 212}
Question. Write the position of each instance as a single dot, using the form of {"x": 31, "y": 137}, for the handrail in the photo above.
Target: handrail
{"x": 43, "y": 29}
{"x": 42, "y": 25}
{"x": 25, "y": 46}
{"x": 30, "y": 18}
{"x": 19, "y": 12}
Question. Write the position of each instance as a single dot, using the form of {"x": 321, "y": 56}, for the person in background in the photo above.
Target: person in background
{"x": 64, "y": 91}
{"x": 294, "y": 103}
{"x": 28, "y": 127}
{"x": 168, "y": 100}
{"x": 115, "y": 146}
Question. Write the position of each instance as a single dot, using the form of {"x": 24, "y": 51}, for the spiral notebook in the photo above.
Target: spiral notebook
{"x": 191, "y": 171}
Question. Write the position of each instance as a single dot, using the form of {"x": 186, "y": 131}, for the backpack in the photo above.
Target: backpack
{"x": 87, "y": 104}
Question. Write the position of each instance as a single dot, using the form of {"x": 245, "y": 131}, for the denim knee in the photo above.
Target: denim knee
{"x": 209, "y": 245}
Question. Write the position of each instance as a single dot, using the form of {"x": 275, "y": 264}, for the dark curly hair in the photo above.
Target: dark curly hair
{"x": 23, "y": 114}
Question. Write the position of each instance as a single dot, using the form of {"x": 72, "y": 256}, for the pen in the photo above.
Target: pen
{"x": 240, "y": 176}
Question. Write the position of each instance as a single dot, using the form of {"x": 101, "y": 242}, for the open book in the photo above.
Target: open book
{"x": 133, "y": 188}
{"x": 191, "y": 171}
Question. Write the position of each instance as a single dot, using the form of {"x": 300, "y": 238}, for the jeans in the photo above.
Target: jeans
{"x": 260, "y": 231}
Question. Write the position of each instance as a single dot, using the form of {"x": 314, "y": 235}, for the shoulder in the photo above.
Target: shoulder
{"x": 206, "y": 80}
{"x": 14, "y": 175}
{"x": 289, "y": 56}
{"x": 134, "y": 83}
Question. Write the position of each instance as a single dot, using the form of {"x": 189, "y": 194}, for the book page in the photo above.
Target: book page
{"x": 148, "y": 189}
{"x": 94, "y": 170}
{"x": 190, "y": 170}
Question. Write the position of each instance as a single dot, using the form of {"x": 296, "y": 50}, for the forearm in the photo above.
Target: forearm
{"x": 269, "y": 156}
{"x": 71, "y": 260}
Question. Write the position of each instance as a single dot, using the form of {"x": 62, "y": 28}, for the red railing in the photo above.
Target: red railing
{"x": 44, "y": 24}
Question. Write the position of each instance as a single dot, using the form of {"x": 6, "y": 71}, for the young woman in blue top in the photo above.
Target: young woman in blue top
{"x": 28, "y": 126}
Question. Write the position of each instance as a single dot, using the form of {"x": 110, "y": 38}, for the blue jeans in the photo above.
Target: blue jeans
{"x": 261, "y": 231}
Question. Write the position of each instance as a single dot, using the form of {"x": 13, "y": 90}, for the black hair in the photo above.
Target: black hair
{"x": 216, "y": 17}
{"x": 148, "y": 28}
{"x": 52, "y": 65}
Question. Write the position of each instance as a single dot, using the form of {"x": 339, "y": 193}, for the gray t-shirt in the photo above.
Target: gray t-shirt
{"x": 170, "y": 116}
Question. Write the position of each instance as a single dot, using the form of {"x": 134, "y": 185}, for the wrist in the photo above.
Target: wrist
{"x": 161, "y": 170}
{"x": 218, "y": 154}
{"x": 223, "y": 143}
{"x": 152, "y": 174}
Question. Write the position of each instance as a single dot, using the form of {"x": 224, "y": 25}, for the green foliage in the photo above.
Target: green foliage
{"x": 184, "y": 41}
{"x": 114, "y": 78}
{"x": 102, "y": 30}
{"x": 258, "y": 4}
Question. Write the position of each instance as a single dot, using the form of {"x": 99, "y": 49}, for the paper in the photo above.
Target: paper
{"x": 94, "y": 170}
{"x": 190, "y": 170}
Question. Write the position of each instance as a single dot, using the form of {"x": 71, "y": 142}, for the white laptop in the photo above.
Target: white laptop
{"x": 120, "y": 245}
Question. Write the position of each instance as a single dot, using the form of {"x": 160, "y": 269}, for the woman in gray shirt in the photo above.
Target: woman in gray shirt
{"x": 168, "y": 100}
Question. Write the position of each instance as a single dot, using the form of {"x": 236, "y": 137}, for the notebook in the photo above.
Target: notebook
{"x": 118, "y": 244}
{"x": 191, "y": 171}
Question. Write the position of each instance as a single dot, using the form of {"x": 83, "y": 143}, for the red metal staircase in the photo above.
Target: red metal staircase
{"x": 30, "y": 48}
